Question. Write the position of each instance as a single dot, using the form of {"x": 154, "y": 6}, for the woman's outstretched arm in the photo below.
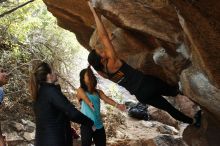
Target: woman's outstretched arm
{"x": 103, "y": 36}
{"x": 60, "y": 101}
{"x": 110, "y": 101}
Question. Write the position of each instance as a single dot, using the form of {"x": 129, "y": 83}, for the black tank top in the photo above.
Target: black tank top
{"x": 127, "y": 77}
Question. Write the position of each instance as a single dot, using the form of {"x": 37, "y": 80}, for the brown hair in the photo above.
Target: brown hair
{"x": 92, "y": 79}
{"x": 94, "y": 60}
{"x": 38, "y": 76}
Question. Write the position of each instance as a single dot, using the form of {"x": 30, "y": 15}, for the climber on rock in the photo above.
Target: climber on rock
{"x": 89, "y": 98}
{"x": 3, "y": 81}
{"x": 147, "y": 89}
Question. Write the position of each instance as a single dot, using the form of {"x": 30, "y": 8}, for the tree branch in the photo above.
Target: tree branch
{"x": 14, "y": 9}
{"x": 24, "y": 64}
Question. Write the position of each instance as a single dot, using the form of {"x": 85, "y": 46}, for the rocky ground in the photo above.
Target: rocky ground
{"x": 17, "y": 122}
{"x": 19, "y": 128}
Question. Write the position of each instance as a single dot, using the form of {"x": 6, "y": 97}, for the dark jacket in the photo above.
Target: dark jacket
{"x": 53, "y": 115}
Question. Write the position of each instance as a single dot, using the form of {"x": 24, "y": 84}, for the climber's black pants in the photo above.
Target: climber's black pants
{"x": 162, "y": 103}
{"x": 87, "y": 135}
{"x": 151, "y": 91}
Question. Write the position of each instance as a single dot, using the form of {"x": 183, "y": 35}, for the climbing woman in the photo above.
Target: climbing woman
{"x": 147, "y": 89}
{"x": 89, "y": 98}
{"x": 53, "y": 110}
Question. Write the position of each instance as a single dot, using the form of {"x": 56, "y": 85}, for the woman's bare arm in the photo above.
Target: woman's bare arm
{"x": 81, "y": 95}
{"x": 103, "y": 35}
{"x": 111, "y": 101}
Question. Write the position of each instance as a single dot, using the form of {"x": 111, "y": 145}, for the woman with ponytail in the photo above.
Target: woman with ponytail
{"x": 89, "y": 97}
{"x": 52, "y": 109}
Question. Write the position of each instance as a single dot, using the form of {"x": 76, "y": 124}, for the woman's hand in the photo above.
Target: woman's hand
{"x": 91, "y": 6}
{"x": 121, "y": 107}
{"x": 3, "y": 78}
{"x": 93, "y": 128}
{"x": 91, "y": 106}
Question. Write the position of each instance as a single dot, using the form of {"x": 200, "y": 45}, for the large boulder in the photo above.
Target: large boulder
{"x": 161, "y": 140}
{"x": 187, "y": 30}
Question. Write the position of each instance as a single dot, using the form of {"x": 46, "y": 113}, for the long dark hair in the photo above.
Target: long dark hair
{"x": 94, "y": 60}
{"x": 92, "y": 80}
{"x": 38, "y": 75}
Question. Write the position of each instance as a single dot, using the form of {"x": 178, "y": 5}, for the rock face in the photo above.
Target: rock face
{"x": 187, "y": 30}
{"x": 162, "y": 140}
{"x": 162, "y": 116}
{"x": 19, "y": 133}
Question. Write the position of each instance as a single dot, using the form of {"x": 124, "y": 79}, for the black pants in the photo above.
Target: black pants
{"x": 151, "y": 91}
{"x": 87, "y": 135}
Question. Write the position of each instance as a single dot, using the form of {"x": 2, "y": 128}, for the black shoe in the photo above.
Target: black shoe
{"x": 198, "y": 118}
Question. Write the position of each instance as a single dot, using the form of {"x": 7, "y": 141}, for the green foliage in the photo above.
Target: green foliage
{"x": 31, "y": 33}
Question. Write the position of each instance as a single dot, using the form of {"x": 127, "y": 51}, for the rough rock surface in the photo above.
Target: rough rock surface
{"x": 187, "y": 29}
{"x": 19, "y": 133}
{"x": 162, "y": 116}
{"x": 120, "y": 129}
